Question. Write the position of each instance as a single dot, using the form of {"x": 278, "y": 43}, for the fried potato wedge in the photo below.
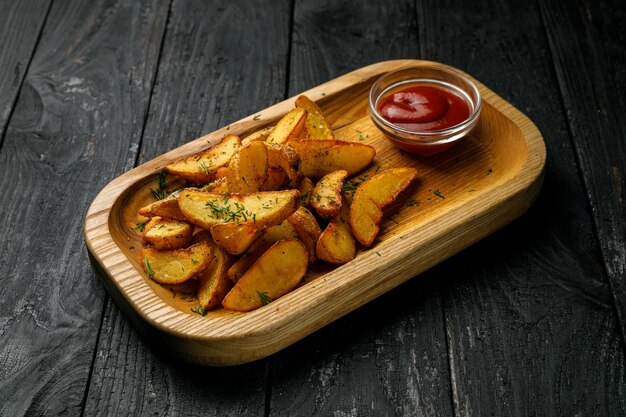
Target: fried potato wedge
{"x": 270, "y": 236}
{"x": 166, "y": 234}
{"x": 176, "y": 267}
{"x": 274, "y": 274}
{"x": 264, "y": 208}
{"x": 213, "y": 282}
{"x": 259, "y": 135}
{"x": 167, "y": 207}
{"x": 321, "y": 157}
{"x": 315, "y": 125}
{"x": 307, "y": 228}
{"x": 235, "y": 238}
{"x": 336, "y": 244}
{"x": 222, "y": 172}
{"x": 247, "y": 170}
{"x": 372, "y": 197}
{"x": 276, "y": 179}
{"x": 326, "y": 196}
{"x": 202, "y": 167}
{"x": 289, "y": 127}
{"x": 305, "y": 186}
{"x": 285, "y": 158}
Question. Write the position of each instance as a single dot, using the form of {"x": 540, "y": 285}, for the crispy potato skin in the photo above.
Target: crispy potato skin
{"x": 176, "y": 267}
{"x": 289, "y": 127}
{"x": 307, "y": 228}
{"x": 259, "y": 135}
{"x": 165, "y": 234}
{"x": 213, "y": 282}
{"x": 326, "y": 196}
{"x": 167, "y": 207}
{"x": 315, "y": 125}
{"x": 321, "y": 157}
{"x": 247, "y": 170}
{"x": 270, "y": 236}
{"x": 305, "y": 186}
{"x": 264, "y": 208}
{"x": 202, "y": 167}
{"x": 372, "y": 197}
{"x": 274, "y": 274}
{"x": 336, "y": 244}
{"x": 235, "y": 238}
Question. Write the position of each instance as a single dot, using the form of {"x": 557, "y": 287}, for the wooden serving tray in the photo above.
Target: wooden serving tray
{"x": 463, "y": 195}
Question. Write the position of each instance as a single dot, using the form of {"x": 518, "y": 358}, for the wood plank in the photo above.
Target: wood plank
{"x": 387, "y": 361}
{"x": 21, "y": 23}
{"x": 205, "y": 81}
{"x": 530, "y": 323}
{"x": 587, "y": 42}
{"x": 79, "y": 112}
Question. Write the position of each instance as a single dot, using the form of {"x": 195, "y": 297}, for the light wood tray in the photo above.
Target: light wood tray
{"x": 486, "y": 181}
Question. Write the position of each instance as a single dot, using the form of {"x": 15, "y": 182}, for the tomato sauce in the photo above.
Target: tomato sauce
{"x": 424, "y": 108}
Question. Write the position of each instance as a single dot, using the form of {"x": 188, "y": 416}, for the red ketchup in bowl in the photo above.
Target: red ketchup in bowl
{"x": 424, "y": 108}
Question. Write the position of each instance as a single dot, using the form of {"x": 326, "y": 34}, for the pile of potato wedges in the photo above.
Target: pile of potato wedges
{"x": 255, "y": 213}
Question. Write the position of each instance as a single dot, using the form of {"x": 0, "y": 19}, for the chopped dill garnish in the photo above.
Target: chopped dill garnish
{"x": 200, "y": 310}
{"x": 438, "y": 193}
{"x": 203, "y": 167}
{"x": 265, "y": 298}
{"x": 378, "y": 253}
{"x": 149, "y": 269}
{"x": 352, "y": 185}
{"x": 361, "y": 138}
{"x": 257, "y": 117}
{"x": 141, "y": 226}
{"x": 160, "y": 192}
{"x": 411, "y": 203}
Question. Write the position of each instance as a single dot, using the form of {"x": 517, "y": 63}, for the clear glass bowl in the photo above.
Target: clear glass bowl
{"x": 433, "y": 141}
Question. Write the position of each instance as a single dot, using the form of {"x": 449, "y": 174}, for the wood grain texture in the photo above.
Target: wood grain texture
{"x": 388, "y": 357}
{"x": 531, "y": 328}
{"x": 587, "y": 43}
{"x": 217, "y": 65}
{"x": 476, "y": 204}
{"x": 81, "y": 107}
{"x": 21, "y": 23}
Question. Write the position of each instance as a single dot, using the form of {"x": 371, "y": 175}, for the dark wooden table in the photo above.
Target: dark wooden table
{"x": 529, "y": 322}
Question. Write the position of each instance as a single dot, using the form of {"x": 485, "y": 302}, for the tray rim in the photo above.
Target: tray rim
{"x": 198, "y": 338}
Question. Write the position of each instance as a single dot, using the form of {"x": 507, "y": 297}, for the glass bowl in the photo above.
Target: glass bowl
{"x": 426, "y": 142}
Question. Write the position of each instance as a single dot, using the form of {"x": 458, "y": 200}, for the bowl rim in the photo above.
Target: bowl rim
{"x": 430, "y": 136}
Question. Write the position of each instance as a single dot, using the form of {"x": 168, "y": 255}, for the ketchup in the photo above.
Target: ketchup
{"x": 424, "y": 108}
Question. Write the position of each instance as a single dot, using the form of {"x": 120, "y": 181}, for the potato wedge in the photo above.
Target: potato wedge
{"x": 235, "y": 238}
{"x": 276, "y": 179}
{"x": 247, "y": 170}
{"x": 274, "y": 274}
{"x": 202, "y": 167}
{"x": 321, "y": 157}
{"x": 315, "y": 125}
{"x": 220, "y": 186}
{"x": 264, "y": 208}
{"x": 168, "y": 207}
{"x": 326, "y": 196}
{"x": 166, "y": 234}
{"x": 305, "y": 186}
{"x": 270, "y": 236}
{"x": 336, "y": 244}
{"x": 222, "y": 172}
{"x": 289, "y": 127}
{"x": 285, "y": 158}
{"x": 307, "y": 228}
{"x": 259, "y": 135}
{"x": 372, "y": 197}
{"x": 213, "y": 282}
{"x": 176, "y": 267}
